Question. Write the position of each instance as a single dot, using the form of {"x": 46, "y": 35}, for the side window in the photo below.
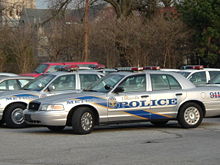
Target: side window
{"x": 13, "y": 85}
{"x": 159, "y": 82}
{"x": 23, "y": 82}
{"x": 174, "y": 84}
{"x": 198, "y": 78}
{"x": 3, "y": 85}
{"x": 213, "y": 74}
{"x": 134, "y": 84}
{"x": 164, "y": 82}
{"x": 87, "y": 79}
{"x": 67, "y": 82}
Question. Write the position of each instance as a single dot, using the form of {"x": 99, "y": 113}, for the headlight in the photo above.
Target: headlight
{"x": 52, "y": 107}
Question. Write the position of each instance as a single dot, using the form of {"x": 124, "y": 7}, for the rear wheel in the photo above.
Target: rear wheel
{"x": 83, "y": 120}
{"x": 190, "y": 115}
{"x": 56, "y": 128}
{"x": 14, "y": 117}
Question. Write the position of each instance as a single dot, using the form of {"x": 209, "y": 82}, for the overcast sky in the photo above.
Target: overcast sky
{"x": 41, "y": 4}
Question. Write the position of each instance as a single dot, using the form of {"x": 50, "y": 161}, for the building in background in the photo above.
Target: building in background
{"x": 10, "y": 10}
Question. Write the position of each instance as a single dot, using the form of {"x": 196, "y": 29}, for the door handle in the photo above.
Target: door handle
{"x": 145, "y": 96}
{"x": 179, "y": 94}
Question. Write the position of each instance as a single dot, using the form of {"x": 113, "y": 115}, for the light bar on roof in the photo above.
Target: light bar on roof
{"x": 151, "y": 68}
{"x": 68, "y": 68}
{"x": 198, "y": 67}
{"x": 129, "y": 69}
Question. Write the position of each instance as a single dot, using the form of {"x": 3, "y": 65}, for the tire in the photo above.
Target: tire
{"x": 190, "y": 115}
{"x": 83, "y": 121}
{"x": 159, "y": 123}
{"x": 56, "y": 128}
{"x": 14, "y": 117}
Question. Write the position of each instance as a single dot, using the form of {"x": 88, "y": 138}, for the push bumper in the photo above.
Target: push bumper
{"x": 46, "y": 118}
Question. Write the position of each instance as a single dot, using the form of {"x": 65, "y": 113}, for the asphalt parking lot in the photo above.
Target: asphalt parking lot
{"x": 133, "y": 144}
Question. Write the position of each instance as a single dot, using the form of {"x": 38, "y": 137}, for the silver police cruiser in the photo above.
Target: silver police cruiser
{"x": 12, "y": 103}
{"x": 154, "y": 96}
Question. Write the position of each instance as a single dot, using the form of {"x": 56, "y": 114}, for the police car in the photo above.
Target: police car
{"x": 199, "y": 75}
{"x": 154, "y": 96}
{"x": 12, "y": 103}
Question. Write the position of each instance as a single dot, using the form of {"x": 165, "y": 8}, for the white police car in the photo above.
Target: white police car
{"x": 199, "y": 75}
{"x": 154, "y": 96}
{"x": 12, "y": 103}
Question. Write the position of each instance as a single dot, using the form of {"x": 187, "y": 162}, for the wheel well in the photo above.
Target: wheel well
{"x": 69, "y": 117}
{"x": 197, "y": 102}
{"x": 25, "y": 104}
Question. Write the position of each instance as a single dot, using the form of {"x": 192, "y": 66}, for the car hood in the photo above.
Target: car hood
{"x": 20, "y": 93}
{"x": 72, "y": 96}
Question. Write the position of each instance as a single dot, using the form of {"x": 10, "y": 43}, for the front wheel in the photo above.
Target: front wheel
{"x": 14, "y": 117}
{"x": 190, "y": 115}
{"x": 83, "y": 120}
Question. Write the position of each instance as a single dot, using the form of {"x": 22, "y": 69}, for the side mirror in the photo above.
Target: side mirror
{"x": 107, "y": 87}
{"x": 51, "y": 88}
{"x": 119, "y": 90}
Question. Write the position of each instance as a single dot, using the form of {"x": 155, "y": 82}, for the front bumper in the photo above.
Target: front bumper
{"x": 46, "y": 118}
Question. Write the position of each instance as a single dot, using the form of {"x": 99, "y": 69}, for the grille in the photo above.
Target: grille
{"x": 34, "y": 106}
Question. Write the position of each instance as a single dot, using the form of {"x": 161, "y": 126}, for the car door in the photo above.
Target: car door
{"x": 166, "y": 95}
{"x": 132, "y": 102}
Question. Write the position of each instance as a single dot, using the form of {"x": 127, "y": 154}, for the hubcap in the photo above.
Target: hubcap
{"x": 87, "y": 121}
{"x": 17, "y": 116}
{"x": 192, "y": 115}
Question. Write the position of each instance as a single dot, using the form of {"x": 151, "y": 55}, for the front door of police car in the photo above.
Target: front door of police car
{"x": 132, "y": 102}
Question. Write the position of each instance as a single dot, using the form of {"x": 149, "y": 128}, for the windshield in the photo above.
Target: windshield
{"x": 215, "y": 80}
{"x": 185, "y": 74}
{"x": 105, "y": 84}
{"x": 41, "y": 68}
{"x": 39, "y": 83}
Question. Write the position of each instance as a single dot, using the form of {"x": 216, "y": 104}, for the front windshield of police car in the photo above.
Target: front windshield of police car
{"x": 105, "y": 84}
{"x": 39, "y": 83}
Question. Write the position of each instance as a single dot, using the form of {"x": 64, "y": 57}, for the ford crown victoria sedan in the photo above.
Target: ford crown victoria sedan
{"x": 154, "y": 96}
{"x": 12, "y": 103}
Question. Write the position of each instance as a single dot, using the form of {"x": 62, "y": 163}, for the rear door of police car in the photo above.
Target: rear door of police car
{"x": 166, "y": 95}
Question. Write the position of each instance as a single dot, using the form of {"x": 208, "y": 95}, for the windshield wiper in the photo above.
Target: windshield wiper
{"x": 25, "y": 89}
{"x": 89, "y": 90}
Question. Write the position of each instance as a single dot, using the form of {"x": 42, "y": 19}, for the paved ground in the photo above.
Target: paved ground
{"x": 133, "y": 144}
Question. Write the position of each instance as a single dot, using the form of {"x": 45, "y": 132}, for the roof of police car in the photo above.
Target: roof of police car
{"x": 144, "y": 71}
{"x": 73, "y": 72}
{"x": 15, "y": 77}
{"x": 199, "y": 70}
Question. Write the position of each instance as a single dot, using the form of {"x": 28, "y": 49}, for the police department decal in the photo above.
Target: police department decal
{"x": 113, "y": 102}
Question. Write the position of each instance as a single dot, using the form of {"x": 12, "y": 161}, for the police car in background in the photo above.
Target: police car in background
{"x": 12, "y": 103}
{"x": 154, "y": 96}
{"x": 199, "y": 75}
